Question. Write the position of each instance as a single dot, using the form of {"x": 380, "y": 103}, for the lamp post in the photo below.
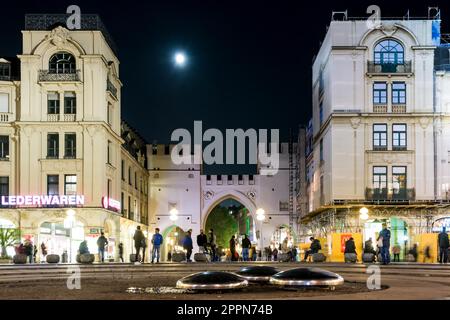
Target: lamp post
{"x": 260, "y": 216}
{"x": 69, "y": 222}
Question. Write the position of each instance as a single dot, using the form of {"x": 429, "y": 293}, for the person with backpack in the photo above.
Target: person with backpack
{"x": 138, "y": 238}
{"x": 385, "y": 237}
{"x": 101, "y": 244}
{"x": 188, "y": 245}
{"x": 157, "y": 241}
{"x": 246, "y": 245}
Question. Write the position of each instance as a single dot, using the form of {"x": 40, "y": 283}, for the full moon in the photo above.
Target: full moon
{"x": 180, "y": 59}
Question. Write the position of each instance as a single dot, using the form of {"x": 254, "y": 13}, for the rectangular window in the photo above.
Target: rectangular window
{"x": 380, "y": 93}
{"x": 321, "y": 113}
{"x": 4, "y": 147}
{"x": 167, "y": 149}
{"x": 4, "y": 102}
{"x": 109, "y": 157}
{"x": 284, "y": 206}
{"x": 399, "y": 137}
{"x": 154, "y": 150}
{"x": 122, "y": 168}
{"x": 398, "y": 180}
{"x": 380, "y": 137}
{"x": 109, "y": 188}
{"x": 122, "y": 199}
{"x": 52, "y": 185}
{"x": 379, "y": 181}
{"x": 53, "y": 103}
{"x": 53, "y": 145}
{"x": 135, "y": 180}
{"x": 4, "y": 187}
{"x": 129, "y": 176}
{"x": 5, "y": 71}
{"x": 321, "y": 149}
{"x": 70, "y": 103}
{"x": 129, "y": 207}
{"x": 399, "y": 93}
{"x": 70, "y": 145}
{"x": 70, "y": 184}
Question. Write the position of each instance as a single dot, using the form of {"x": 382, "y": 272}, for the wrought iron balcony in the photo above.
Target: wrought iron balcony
{"x": 402, "y": 194}
{"x": 46, "y": 75}
{"x": 110, "y": 87}
{"x": 389, "y": 68}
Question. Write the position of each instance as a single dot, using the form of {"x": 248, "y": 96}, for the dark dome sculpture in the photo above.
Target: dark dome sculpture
{"x": 306, "y": 277}
{"x": 212, "y": 280}
{"x": 257, "y": 273}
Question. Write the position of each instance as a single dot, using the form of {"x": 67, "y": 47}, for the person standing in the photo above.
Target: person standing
{"x": 138, "y": 237}
{"x": 233, "y": 248}
{"x": 443, "y": 246}
{"x": 157, "y": 241}
{"x": 396, "y": 251}
{"x": 246, "y": 245}
{"x": 101, "y": 244}
{"x": 29, "y": 250}
{"x": 385, "y": 237}
{"x": 187, "y": 245}
{"x": 43, "y": 251}
{"x": 212, "y": 244}
{"x": 121, "y": 252}
{"x": 202, "y": 241}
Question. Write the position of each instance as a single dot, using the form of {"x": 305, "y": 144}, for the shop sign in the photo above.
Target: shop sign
{"x": 344, "y": 238}
{"x": 47, "y": 200}
{"x": 109, "y": 203}
{"x": 94, "y": 231}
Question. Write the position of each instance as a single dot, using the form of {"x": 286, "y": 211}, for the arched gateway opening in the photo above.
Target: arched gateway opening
{"x": 230, "y": 218}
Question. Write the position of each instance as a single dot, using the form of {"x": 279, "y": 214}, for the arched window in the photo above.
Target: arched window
{"x": 389, "y": 52}
{"x": 62, "y": 62}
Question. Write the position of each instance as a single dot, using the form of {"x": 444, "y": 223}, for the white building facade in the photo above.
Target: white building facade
{"x": 379, "y": 131}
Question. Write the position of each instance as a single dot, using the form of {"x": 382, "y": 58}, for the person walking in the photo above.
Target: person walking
{"x": 202, "y": 241}
{"x": 443, "y": 246}
{"x": 43, "y": 251}
{"x": 157, "y": 241}
{"x": 233, "y": 248}
{"x": 187, "y": 245}
{"x": 101, "y": 244}
{"x": 385, "y": 237}
{"x": 138, "y": 238}
{"x": 314, "y": 248}
{"x": 212, "y": 244}
{"x": 396, "y": 251}
{"x": 246, "y": 245}
{"x": 121, "y": 252}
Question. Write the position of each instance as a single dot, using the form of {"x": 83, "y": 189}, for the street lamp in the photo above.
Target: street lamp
{"x": 69, "y": 223}
{"x": 173, "y": 214}
{"x": 364, "y": 213}
{"x": 260, "y": 216}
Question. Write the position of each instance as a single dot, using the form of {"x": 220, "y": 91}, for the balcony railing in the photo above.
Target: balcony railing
{"x": 4, "y": 117}
{"x": 380, "y": 108}
{"x": 396, "y": 195}
{"x": 389, "y": 68}
{"x": 61, "y": 117}
{"x": 398, "y": 108}
{"x": 45, "y": 75}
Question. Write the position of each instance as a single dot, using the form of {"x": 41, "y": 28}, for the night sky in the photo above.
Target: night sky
{"x": 249, "y": 61}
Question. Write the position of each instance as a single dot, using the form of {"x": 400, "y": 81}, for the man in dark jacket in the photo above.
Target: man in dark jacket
{"x": 443, "y": 246}
{"x": 187, "y": 245}
{"x": 314, "y": 248}
{"x": 202, "y": 241}
{"x": 385, "y": 235}
{"x": 138, "y": 238}
{"x": 101, "y": 244}
{"x": 246, "y": 245}
{"x": 350, "y": 246}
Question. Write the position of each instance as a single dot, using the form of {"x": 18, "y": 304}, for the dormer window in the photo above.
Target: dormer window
{"x": 62, "y": 62}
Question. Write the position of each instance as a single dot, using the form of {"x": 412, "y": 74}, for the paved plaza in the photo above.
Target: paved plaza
{"x": 111, "y": 281}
